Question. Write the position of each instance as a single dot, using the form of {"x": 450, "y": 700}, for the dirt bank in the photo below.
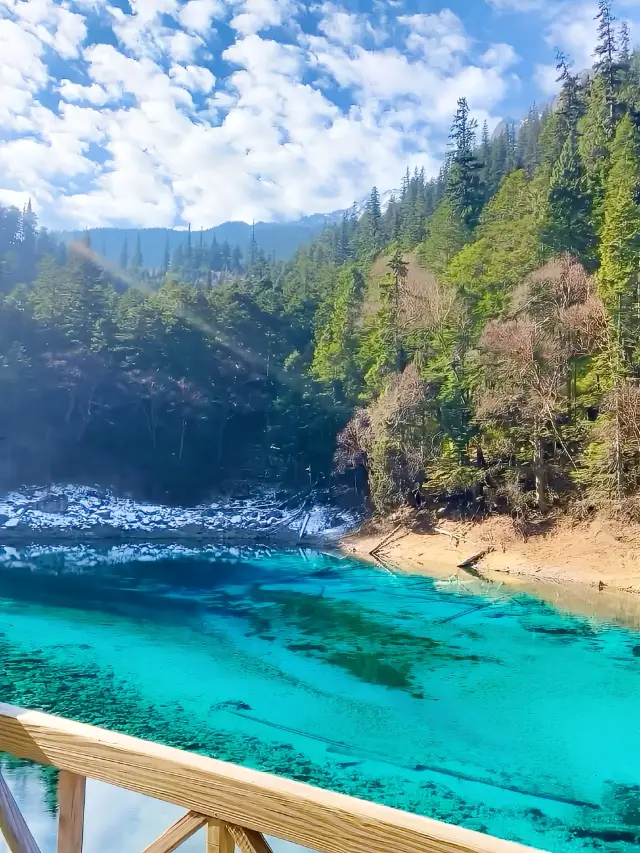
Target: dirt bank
{"x": 591, "y": 568}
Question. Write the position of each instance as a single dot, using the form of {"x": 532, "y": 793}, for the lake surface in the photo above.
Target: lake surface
{"x": 493, "y": 711}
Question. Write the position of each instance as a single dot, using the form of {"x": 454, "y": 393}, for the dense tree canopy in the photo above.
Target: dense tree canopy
{"x": 475, "y": 340}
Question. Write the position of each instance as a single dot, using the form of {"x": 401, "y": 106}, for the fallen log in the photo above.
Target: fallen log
{"x": 471, "y": 561}
{"x": 385, "y": 540}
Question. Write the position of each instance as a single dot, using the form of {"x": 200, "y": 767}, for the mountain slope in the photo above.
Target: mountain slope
{"x": 279, "y": 239}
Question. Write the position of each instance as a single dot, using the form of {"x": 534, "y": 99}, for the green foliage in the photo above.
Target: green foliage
{"x": 568, "y": 221}
{"x": 446, "y": 236}
{"x": 506, "y": 247}
{"x": 463, "y": 186}
{"x": 334, "y": 362}
{"x": 620, "y": 239}
{"x": 453, "y": 342}
{"x": 593, "y": 143}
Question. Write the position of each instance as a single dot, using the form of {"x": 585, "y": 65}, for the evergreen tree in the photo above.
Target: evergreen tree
{"x": 568, "y": 226}
{"x": 624, "y": 44}
{"x": 605, "y": 55}
{"x": 124, "y": 254}
{"x": 166, "y": 260}
{"x": 569, "y": 101}
{"x": 620, "y": 243}
{"x": 593, "y": 143}
{"x": 177, "y": 262}
{"x": 136, "y": 258}
{"x": 334, "y": 356}
{"x": 464, "y": 187}
{"x": 447, "y": 235}
{"x": 374, "y": 217}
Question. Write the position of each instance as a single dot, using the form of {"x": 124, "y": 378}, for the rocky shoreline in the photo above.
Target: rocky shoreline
{"x": 76, "y": 514}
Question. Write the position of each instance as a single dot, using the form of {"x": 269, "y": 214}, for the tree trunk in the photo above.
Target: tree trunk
{"x": 540, "y": 474}
{"x": 182, "y": 432}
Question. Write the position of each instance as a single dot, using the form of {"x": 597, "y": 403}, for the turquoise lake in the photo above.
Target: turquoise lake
{"x": 491, "y": 710}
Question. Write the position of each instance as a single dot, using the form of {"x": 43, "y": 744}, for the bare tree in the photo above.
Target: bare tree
{"x": 528, "y": 360}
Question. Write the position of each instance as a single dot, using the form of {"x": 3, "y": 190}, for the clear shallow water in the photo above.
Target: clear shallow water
{"x": 495, "y": 712}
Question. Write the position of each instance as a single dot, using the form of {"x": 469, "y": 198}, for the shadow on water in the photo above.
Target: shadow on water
{"x": 424, "y": 698}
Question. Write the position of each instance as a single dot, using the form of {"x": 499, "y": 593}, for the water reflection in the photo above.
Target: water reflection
{"x": 488, "y": 708}
{"x": 116, "y": 821}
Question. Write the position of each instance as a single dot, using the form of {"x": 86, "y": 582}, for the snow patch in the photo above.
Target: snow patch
{"x": 89, "y": 509}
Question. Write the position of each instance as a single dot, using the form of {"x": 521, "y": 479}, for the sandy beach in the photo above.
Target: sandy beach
{"x": 590, "y": 568}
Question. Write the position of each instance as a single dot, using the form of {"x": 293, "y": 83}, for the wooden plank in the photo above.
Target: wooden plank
{"x": 314, "y": 818}
{"x": 177, "y": 833}
{"x": 219, "y": 839}
{"x": 71, "y": 794}
{"x": 12, "y": 825}
{"x": 249, "y": 841}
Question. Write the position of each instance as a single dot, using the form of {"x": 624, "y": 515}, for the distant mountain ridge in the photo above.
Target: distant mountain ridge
{"x": 279, "y": 239}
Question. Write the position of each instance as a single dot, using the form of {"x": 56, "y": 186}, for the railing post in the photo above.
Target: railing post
{"x": 219, "y": 839}
{"x": 12, "y": 826}
{"x": 71, "y": 793}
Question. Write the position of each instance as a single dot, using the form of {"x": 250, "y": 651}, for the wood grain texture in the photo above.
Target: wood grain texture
{"x": 314, "y": 818}
{"x": 248, "y": 840}
{"x": 71, "y": 794}
{"x": 12, "y": 825}
{"x": 178, "y": 832}
{"x": 219, "y": 839}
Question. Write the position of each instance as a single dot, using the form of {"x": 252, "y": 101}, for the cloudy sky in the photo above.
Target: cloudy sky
{"x": 163, "y": 112}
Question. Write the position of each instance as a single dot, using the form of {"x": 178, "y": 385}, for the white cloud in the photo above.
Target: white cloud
{"x": 546, "y": 77}
{"x": 193, "y": 77}
{"x": 178, "y": 145}
{"x": 501, "y": 56}
{"x": 181, "y": 46}
{"x": 51, "y": 23}
{"x": 347, "y": 28}
{"x": 439, "y": 38}
{"x": 196, "y": 15}
{"x": 573, "y": 29}
{"x": 255, "y": 15}
{"x": 22, "y": 74}
{"x": 93, "y": 94}
{"x": 519, "y": 5}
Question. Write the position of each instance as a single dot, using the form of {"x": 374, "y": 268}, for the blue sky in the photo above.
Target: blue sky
{"x": 163, "y": 112}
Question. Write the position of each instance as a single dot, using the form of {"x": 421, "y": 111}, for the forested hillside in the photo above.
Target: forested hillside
{"x": 221, "y": 247}
{"x": 476, "y": 342}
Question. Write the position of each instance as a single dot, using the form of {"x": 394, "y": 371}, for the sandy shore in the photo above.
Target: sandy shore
{"x": 590, "y": 568}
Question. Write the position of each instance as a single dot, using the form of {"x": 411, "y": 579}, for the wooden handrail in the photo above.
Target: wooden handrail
{"x": 245, "y": 801}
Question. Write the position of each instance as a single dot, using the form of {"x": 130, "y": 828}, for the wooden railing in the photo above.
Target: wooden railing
{"x": 237, "y": 806}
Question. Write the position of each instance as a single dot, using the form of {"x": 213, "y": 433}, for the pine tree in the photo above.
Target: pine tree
{"x": 136, "y": 258}
{"x": 166, "y": 260}
{"x": 124, "y": 254}
{"x": 593, "y": 143}
{"x": 568, "y": 226}
{"x": 374, "y": 214}
{"x": 464, "y": 187}
{"x": 215, "y": 256}
{"x": 624, "y": 44}
{"x": 334, "y": 356}
{"x": 177, "y": 262}
{"x": 605, "y": 55}
{"x": 620, "y": 240}
{"x": 569, "y": 102}
{"x": 447, "y": 235}
{"x": 28, "y": 245}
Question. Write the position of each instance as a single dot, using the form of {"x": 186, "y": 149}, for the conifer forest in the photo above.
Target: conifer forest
{"x": 476, "y": 341}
